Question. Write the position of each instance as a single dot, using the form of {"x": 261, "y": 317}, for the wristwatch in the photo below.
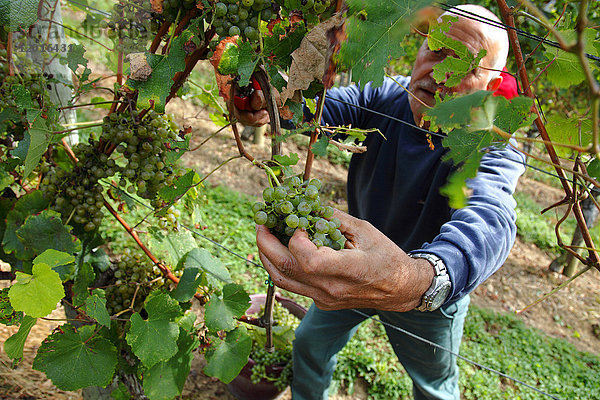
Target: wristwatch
{"x": 437, "y": 293}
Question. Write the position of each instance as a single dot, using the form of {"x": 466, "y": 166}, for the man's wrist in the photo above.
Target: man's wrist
{"x": 440, "y": 286}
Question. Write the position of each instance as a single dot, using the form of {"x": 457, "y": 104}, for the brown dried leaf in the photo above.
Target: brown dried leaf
{"x": 223, "y": 81}
{"x": 348, "y": 147}
{"x": 139, "y": 69}
{"x": 310, "y": 61}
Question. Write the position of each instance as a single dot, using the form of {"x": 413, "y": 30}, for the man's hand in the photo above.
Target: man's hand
{"x": 257, "y": 115}
{"x": 371, "y": 272}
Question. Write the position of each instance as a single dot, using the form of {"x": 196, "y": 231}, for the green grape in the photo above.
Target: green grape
{"x": 280, "y": 193}
{"x": 261, "y": 218}
{"x": 317, "y": 242}
{"x": 304, "y": 208}
{"x": 220, "y": 9}
{"x": 268, "y": 194}
{"x": 321, "y": 226}
{"x": 292, "y": 221}
{"x": 311, "y": 192}
{"x": 286, "y": 207}
{"x": 303, "y": 223}
{"x": 258, "y": 206}
{"x": 336, "y": 235}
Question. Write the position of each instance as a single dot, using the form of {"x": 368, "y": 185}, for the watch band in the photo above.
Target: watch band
{"x": 437, "y": 293}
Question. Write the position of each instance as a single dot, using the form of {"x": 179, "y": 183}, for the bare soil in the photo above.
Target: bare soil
{"x": 573, "y": 313}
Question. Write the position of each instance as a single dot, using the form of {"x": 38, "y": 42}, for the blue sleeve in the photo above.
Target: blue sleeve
{"x": 477, "y": 240}
{"x": 352, "y": 103}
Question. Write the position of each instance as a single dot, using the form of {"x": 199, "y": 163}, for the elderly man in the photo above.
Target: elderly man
{"x": 410, "y": 258}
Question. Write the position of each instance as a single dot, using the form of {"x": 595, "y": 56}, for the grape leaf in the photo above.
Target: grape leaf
{"x": 456, "y": 188}
{"x": 226, "y": 358}
{"x": 36, "y": 294}
{"x": 6, "y": 179}
{"x": 375, "y": 29}
{"x": 221, "y": 311}
{"x": 287, "y": 160}
{"x": 282, "y": 43}
{"x": 40, "y": 138}
{"x": 8, "y": 315}
{"x": 199, "y": 265}
{"x": 593, "y": 169}
{"x": 10, "y": 241}
{"x": 180, "y": 186}
{"x": 453, "y": 68}
{"x": 564, "y": 69}
{"x": 59, "y": 261}
{"x": 319, "y": 148}
{"x": 247, "y": 60}
{"x": 95, "y": 307}
{"x": 120, "y": 393}
{"x": 13, "y": 346}
{"x": 567, "y": 131}
{"x": 31, "y": 203}
{"x": 76, "y": 359}
{"x": 98, "y": 259}
{"x": 464, "y": 143}
{"x": 75, "y": 58}
{"x": 165, "y": 379}
{"x": 85, "y": 276}
{"x": 46, "y": 231}
{"x": 156, "y": 88}
{"x": 457, "y": 111}
{"x": 155, "y": 339}
{"x": 172, "y": 247}
{"x": 514, "y": 114}
{"x": 22, "y": 97}
{"x": 16, "y": 14}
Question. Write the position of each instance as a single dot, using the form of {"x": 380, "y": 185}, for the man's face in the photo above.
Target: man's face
{"x": 424, "y": 86}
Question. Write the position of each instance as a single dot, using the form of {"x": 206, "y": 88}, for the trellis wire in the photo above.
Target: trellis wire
{"x": 440, "y": 347}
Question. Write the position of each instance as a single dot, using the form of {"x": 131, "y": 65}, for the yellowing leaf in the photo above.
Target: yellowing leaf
{"x": 37, "y": 294}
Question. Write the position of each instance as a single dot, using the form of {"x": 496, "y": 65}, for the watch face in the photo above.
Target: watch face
{"x": 440, "y": 297}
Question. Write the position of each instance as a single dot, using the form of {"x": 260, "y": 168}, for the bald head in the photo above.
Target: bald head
{"x": 495, "y": 39}
{"x": 472, "y": 30}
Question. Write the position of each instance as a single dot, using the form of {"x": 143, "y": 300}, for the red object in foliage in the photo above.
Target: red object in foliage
{"x": 242, "y": 103}
{"x": 242, "y": 99}
{"x": 508, "y": 87}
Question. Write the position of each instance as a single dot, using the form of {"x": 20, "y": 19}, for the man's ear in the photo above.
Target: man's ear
{"x": 494, "y": 84}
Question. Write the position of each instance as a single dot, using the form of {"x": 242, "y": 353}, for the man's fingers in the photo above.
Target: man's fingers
{"x": 257, "y": 100}
{"x": 275, "y": 252}
{"x": 351, "y": 227}
{"x": 252, "y": 118}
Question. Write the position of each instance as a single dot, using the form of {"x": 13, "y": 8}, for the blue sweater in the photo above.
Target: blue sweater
{"x": 395, "y": 185}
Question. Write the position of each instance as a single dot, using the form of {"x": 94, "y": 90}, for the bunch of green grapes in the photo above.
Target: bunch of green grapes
{"x": 131, "y": 22}
{"x": 77, "y": 193}
{"x": 174, "y": 10}
{"x": 281, "y": 357}
{"x": 242, "y": 18}
{"x": 316, "y": 6}
{"x": 131, "y": 272}
{"x": 296, "y": 204}
{"x": 26, "y": 76}
{"x": 144, "y": 144}
{"x": 170, "y": 218}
